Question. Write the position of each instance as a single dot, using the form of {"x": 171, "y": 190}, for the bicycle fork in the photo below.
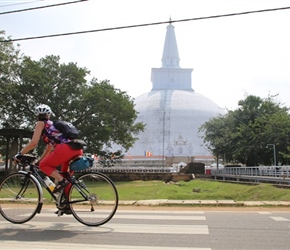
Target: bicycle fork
{"x": 25, "y": 186}
{"x": 85, "y": 193}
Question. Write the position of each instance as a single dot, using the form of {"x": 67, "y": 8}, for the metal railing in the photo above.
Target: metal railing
{"x": 126, "y": 169}
{"x": 276, "y": 174}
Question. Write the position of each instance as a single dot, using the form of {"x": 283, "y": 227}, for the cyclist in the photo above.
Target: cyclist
{"x": 58, "y": 152}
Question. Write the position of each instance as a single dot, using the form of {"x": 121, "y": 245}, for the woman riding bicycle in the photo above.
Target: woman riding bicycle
{"x": 57, "y": 152}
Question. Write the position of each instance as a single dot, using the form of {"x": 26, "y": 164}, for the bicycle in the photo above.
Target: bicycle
{"x": 92, "y": 197}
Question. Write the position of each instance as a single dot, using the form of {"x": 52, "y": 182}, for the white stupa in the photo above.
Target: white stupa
{"x": 172, "y": 111}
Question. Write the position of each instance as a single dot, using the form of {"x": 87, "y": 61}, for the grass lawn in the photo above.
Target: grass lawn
{"x": 200, "y": 190}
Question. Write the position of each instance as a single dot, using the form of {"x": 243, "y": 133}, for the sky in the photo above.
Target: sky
{"x": 231, "y": 57}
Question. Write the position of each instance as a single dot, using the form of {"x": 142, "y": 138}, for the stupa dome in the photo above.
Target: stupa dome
{"x": 172, "y": 111}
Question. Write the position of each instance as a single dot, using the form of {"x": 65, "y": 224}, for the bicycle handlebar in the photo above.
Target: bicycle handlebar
{"x": 27, "y": 159}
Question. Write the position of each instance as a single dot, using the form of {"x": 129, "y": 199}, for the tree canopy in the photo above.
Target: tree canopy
{"x": 102, "y": 113}
{"x": 252, "y": 133}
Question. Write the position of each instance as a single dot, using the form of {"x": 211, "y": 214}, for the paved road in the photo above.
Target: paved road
{"x": 155, "y": 229}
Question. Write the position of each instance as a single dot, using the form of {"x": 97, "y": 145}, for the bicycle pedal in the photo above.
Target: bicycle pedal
{"x": 59, "y": 213}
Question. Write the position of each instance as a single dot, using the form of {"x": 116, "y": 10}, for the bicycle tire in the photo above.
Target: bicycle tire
{"x": 102, "y": 199}
{"x": 19, "y": 198}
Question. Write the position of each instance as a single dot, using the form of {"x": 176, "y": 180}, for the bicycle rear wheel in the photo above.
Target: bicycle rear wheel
{"x": 19, "y": 198}
{"x": 100, "y": 202}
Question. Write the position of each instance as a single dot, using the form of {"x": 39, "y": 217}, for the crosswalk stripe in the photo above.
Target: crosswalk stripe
{"x": 264, "y": 212}
{"x": 133, "y": 215}
{"x": 180, "y": 213}
{"x": 15, "y": 245}
{"x": 160, "y": 229}
{"x": 159, "y": 212}
{"x": 161, "y": 217}
{"x": 110, "y": 227}
{"x": 279, "y": 218}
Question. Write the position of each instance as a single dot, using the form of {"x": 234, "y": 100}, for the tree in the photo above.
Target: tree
{"x": 103, "y": 114}
{"x": 10, "y": 59}
{"x": 242, "y": 135}
{"x": 107, "y": 116}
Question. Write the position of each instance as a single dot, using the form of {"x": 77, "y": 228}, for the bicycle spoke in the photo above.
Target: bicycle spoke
{"x": 19, "y": 200}
{"x": 101, "y": 199}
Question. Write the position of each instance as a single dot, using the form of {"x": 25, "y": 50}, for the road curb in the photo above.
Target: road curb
{"x": 166, "y": 202}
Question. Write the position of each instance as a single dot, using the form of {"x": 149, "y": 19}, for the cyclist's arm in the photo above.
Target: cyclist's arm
{"x": 35, "y": 138}
{"x": 46, "y": 152}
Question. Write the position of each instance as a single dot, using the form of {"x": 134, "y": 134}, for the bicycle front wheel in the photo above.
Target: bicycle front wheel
{"x": 19, "y": 198}
{"x": 93, "y": 199}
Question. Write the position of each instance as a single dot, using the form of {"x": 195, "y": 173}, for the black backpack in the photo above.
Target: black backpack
{"x": 67, "y": 129}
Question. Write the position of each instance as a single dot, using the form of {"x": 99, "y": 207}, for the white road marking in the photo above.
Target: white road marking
{"x": 15, "y": 245}
{"x": 144, "y": 216}
{"x": 264, "y": 213}
{"x": 110, "y": 227}
{"x": 279, "y": 218}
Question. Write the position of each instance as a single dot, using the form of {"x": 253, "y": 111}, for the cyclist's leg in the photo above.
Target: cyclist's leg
{"x": 64, "y": 169}
{"x": 62, "y": 153}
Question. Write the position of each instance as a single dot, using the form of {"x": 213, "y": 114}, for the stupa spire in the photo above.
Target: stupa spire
{"x": 170, "y": 75}
{"x": 170, "y": 57}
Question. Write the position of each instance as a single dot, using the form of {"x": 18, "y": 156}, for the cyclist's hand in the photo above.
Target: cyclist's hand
{"x": 17, "y": 157}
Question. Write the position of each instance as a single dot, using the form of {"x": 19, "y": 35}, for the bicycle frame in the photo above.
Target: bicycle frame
{"x": 33, "y": 173}
{"x": 77, "y": 186}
